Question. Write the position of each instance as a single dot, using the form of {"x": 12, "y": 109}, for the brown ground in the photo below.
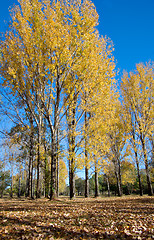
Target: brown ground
{"x": 114, "y": 218}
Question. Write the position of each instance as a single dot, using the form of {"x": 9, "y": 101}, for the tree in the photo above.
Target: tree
{"x": 5, "y": 180}
{"x": 44, "y": 52}
{"x": 114, "y": 144}
{"x": 63, "y": 174}
{"x": 136, "y": 149}
{"x": 128, "y": 175}
{"x": 51, "y": 56}
{"x": 80, "y": 186}
{"x": 95, "y": 102}
{"x": 138, "y": 90}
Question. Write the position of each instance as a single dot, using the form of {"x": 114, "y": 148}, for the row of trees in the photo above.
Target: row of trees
{"x": 59, "y": 90}
{"x": 107, "y": 185}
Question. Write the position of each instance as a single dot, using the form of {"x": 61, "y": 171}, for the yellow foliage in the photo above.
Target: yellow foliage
{"x": 128, "y": 173}
{"x": 138, "y": 92}
{"x": 63, "y": 174}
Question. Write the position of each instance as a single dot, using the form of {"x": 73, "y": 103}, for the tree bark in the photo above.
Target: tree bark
{"x": 138, "y": 174}
{"x": 46, "y": 176}
{"x": 72, "y": 153}
{"x": 29, "y": 170}
{"x": 38, "y": 165}
{"x": 31, "y": 190}
{"x": 86, "y": 182}
{"x": 150, "y": 190}
{"x": 11, "y": 194}
{"x": 117, "y": 178}
{"x": 96, "y": 181}
{"x": 137, "y": 164}
{"x": 86, "y": 161}
{"x": 119, "y": 173}
{"x": 53, "y": 170}
{"x": 19, "y": 183}
{"x": 108, "y": 186}
{"x": 72, "y": 169}
{"x": 53, "y": 192}
{"x": 72, "y": 181}
{"x": 57, "y": 165}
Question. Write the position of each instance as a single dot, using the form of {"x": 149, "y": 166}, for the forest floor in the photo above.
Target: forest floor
{"x": 101, "y": 218}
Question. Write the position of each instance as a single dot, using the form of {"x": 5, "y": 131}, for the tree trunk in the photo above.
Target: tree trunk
{"x": 71, "y": 140}
{"x": 117, "y": 178}
{"x": 11, "y": 194}
{"x": 53, "y": 192}
{"x": 86, "y": 161}
{"x": 29, "y": 175}
{"x": 72, "y": 169}
{"x": 57, "y": 183}
{"x": 19, "y": 183}
{"x": 57, "y": 166}
{"x": 38, "y": 165}
{"x": 46, "y": 177}
{"x": 152, "y": 157}
{"x": 128, "y": 189}
{"x": 150, "y": 190}
{"x": 86, "y": 182}
{"x": 108, "y": 186}
{"x": 72, "y": 181}
{"x": 96, "y": 181}
{"x": 137, "y": 164}
{"x": 119, "y": 173}
{"x": 34, "y": 182}
{"x": 31, "y": 190}
{"x": 1, "y": 193}
{"x": 53, "y": 170}
{"x": 138, "y": 174}
{"x": 30, "y": 160}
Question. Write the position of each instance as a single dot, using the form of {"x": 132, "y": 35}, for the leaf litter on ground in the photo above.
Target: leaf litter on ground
{"x": 101, "y": 218}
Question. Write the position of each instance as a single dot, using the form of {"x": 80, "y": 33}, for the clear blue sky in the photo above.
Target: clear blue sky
{"x": 128, "y": 23}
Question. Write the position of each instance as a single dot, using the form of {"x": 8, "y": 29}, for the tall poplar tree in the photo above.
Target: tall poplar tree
{"x": 138, "y": 91}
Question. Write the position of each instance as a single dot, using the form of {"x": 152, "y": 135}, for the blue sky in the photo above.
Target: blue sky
{"x": 128, "y": 23}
